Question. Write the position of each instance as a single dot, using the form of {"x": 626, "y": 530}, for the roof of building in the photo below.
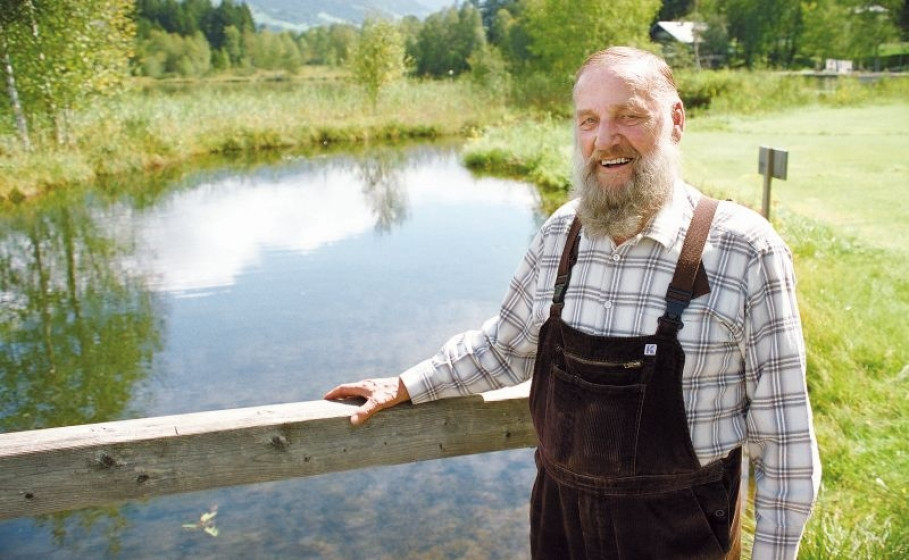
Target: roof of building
{"x": 681, "y": 31}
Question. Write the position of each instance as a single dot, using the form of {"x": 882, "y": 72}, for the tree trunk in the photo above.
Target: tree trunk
{"x": 45, "y": 87}
{"x": 21, "y": 123}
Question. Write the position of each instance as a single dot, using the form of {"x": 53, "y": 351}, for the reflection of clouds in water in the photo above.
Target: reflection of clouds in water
{"x": 222, "y": 228}
{"x": 451, "y": 184}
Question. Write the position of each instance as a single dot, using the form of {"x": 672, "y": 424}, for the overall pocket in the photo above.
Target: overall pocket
{"x": 591, "y": 429}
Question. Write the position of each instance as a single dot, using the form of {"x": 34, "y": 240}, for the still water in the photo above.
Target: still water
{"x": 244, "y": 286}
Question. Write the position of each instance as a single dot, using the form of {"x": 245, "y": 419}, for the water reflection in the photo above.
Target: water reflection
{"x": 262, "y": 284}
{"x": 77, "y": 329}
{"x": 383, "y": 189}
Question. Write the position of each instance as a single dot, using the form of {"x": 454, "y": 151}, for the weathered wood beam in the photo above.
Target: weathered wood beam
{"x": 60, "y": 469}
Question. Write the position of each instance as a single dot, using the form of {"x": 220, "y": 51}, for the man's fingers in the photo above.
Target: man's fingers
{"x": 365, "y": 412}
{"x": 379, "y": 394}
{"x": 346, "y": 391}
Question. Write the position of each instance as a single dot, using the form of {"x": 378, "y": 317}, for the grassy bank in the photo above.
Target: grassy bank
{"x": 841, "y": 212}
{"x": 151, "y": 127}
{"x": 160, "y": 124}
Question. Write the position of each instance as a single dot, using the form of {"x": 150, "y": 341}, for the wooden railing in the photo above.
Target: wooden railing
{"x": 60, "y": 469}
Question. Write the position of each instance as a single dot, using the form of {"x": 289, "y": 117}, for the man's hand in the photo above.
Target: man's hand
{"x": 379, "y": 394}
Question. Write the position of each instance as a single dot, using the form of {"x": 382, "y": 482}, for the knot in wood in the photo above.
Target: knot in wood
{"x": 280, "y": 443}
{"x": 108, "y": 461}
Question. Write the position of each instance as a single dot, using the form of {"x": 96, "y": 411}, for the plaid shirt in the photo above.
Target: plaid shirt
{"x": 744, "y": 375}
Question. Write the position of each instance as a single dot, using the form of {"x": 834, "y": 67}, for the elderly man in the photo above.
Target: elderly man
{"x": 661, "y": 332}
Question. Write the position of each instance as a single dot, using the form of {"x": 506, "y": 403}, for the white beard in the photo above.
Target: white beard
{"x": 620, "y": 212}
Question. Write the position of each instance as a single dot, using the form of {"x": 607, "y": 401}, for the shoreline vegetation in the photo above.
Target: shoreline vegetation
{"x": 155, "y": 125}
{"x": 158, "y": 124}
{"x": 838, "y": 210}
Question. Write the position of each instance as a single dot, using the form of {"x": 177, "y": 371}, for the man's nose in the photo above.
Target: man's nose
{"x": 606, "y": 135}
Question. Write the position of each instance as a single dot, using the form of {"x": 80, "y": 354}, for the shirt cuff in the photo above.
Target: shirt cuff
{"x": 775, "y": 543}
{"x": 416, "y": 379}
{"x": 767, "y": 551}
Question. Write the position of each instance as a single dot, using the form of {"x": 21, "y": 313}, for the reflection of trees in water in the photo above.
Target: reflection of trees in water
{"x": 383, "y": 190}
{"x": 77, "y": 330}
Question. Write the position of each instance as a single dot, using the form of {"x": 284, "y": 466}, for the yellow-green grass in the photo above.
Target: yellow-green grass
{"x": 157, "y": 126}
{"x": 848, "y": 166}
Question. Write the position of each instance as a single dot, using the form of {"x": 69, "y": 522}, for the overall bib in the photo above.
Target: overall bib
{"x": 617, "y": 475}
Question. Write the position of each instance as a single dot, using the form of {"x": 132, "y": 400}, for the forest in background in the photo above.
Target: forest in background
{"x": 194, "y": 38}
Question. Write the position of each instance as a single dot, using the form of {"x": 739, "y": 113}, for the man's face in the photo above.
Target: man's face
{"x": 627, "y": 156}
{"x": 618, "y": 124}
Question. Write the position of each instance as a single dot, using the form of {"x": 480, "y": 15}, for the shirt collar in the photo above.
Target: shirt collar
{"x": 668, "y": 223}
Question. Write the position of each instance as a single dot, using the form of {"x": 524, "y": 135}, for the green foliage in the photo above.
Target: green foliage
{"x": 539, "y": 91}
{"x": 767, "y": 32}
{"x": 377, "y": 57}
{"x": 272, "y": 51}
{"x": 743, "y": 92}
{"x": 675, "y": 10}
{"x": 780, "y": 33}
{"x": 188, "y": 17}
{"x": 169, "y": 54}
{"x": 508, "y": 33}
{"x": 447, "y": 39}
{"x": 63, "y": 52}
{"x": 563, "y": 33}
{"x": 329, "y": 45}
{"x": 489, "y": 72}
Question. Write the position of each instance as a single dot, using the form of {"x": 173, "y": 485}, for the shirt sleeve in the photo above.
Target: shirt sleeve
{"x": 499, "y": 354}
{"x": 781, "y": 440}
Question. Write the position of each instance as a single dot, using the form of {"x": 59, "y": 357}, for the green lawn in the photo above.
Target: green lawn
{"x": 848, "y": 167}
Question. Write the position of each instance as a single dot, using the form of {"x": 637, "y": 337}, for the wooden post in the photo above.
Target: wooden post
{"x": 768, "y": 175}
{"x": 771, "y": 163}
{"x": 60, "y": 469}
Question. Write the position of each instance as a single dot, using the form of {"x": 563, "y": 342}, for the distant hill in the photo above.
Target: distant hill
{"x": 299, "y": 15}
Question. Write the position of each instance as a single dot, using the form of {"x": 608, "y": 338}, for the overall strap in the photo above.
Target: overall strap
{"x": 682, "y": 288}
{"x": 569, "y": 257}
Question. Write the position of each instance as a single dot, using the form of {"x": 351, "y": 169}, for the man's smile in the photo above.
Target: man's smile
{"x": 615, "y": 162}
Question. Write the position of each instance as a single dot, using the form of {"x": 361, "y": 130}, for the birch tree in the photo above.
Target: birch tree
{"x": 11, "y": 89}
{"x": 61, "y": 52}
{"x": 377, "y": 57}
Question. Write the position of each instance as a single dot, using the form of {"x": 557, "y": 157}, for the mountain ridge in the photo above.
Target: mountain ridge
{"x": 299, "y": 15}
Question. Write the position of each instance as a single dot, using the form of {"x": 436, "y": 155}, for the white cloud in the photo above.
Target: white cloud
{"x": 206, "y": 237}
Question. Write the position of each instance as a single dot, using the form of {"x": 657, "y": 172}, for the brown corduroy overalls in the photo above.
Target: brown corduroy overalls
{"x": 617, "y": 475}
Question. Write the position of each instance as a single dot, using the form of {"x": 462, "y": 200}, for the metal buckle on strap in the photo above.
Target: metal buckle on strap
{"x": 673, "y": 321}
{"x": 558, "y": 295}
{"x": 676, "y": 302}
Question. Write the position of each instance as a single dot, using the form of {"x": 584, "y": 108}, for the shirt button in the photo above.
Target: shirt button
{"x": 608, "y": 305}
{"x": 616, "y": 257}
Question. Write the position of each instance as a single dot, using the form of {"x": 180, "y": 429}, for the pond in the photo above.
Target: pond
{"x": 258, "y": 284}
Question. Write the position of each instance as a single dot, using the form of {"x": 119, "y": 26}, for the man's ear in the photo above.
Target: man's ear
{"x": 678, "y": 121}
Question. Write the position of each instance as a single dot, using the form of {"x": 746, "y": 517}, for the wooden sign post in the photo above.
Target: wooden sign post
{"x": 771, "y": 163}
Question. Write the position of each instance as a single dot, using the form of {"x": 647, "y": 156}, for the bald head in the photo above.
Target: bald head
{"x": 646, "y": 71}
